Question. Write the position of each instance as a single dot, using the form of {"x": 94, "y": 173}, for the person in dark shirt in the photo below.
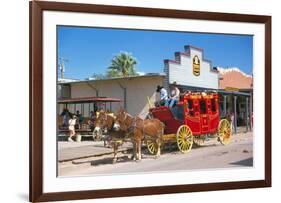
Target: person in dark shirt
{"x": 80, "y": 117}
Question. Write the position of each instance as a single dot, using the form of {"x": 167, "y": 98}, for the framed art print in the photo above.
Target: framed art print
{"x": 128, "y": 101}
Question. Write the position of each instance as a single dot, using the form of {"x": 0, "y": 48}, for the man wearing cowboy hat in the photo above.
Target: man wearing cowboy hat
{"x": 175, "y": 95}
{"x": 163, "y": 95}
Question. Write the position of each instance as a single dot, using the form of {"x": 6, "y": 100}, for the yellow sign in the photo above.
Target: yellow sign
{"x": 231, "y": 89}
{"x": 196, "y": 65}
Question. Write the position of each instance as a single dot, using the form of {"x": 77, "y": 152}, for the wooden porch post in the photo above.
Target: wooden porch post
{"x": 235, "y": 115}
{"x": 247, "y": 114}
{"x": 224, "y": 105}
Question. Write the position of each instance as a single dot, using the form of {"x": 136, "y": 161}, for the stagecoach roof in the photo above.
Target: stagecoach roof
{"x": 88, "y": 100}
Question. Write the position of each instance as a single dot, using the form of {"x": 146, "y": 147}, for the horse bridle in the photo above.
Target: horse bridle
{"x": 103, "y": 123}
{"x": 123, "y": 121}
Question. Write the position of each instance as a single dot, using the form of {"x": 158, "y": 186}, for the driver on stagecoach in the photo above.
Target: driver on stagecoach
{"x": 163, "y": 95}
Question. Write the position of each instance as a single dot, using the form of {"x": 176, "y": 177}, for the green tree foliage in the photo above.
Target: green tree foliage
{"x": 122, "y": 65}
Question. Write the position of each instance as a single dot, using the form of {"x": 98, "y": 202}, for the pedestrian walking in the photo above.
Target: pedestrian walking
{"x": 71, "y": 127}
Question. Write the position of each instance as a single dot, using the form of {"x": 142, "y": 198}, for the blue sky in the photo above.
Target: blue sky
{"x": 90, "y": 50}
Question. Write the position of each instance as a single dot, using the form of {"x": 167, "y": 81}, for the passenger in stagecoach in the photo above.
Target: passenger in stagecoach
{"x": 174, "y": 95}
{"x": 164, "y": 101}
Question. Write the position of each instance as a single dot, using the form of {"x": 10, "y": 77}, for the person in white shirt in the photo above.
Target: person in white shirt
{"x": 175, "y": 95}
{"x": 163, "y": 95}
{"x": 71, "y": 128}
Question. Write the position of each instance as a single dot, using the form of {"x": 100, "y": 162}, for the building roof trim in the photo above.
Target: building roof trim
{"x": 148, "y": 75}
{"x": 187, "y": 54}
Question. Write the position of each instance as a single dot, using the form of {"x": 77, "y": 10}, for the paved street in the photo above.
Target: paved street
{"x": 69, "y": 151}
{"x": 212, "y": 155}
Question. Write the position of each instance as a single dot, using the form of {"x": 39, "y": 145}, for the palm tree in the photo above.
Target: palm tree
{"x": 122, "y": 65}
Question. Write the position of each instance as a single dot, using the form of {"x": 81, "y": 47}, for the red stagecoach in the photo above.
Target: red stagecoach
{"x": 194, "y": 117}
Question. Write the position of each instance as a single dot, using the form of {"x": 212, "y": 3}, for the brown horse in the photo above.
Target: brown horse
{"x": 104, "y": 124}
{"x": 139, "y": 130}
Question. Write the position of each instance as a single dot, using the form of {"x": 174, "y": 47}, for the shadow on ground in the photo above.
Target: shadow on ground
{"x": 110, "y": 161}
{"x": 245, "y": 162}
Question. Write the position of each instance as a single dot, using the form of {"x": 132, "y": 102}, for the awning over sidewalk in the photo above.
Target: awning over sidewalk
{"x": 87, "y": 100}
{"x": 238, "y": 93}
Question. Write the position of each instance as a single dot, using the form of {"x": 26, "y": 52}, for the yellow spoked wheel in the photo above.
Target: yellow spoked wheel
{"x": 151, "y": 146}
{"x": 224, "y": 132}
{"x": 184, "y": 138}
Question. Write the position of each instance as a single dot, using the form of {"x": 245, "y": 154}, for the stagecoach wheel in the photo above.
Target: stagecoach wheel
{"x": 151, "y": 146}
{"x": 224, "y": 132}
{"x": 184, "y": 138}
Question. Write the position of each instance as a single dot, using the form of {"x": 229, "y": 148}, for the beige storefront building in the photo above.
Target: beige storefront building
{"x": 132, "y": 91}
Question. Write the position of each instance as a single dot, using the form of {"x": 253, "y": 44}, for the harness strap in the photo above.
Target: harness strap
{"x": 131, "y": 129}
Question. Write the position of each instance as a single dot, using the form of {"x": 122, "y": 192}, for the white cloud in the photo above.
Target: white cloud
{"x": 141, "y": 73}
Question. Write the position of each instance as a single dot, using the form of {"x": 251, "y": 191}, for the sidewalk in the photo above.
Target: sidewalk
{"x": 68, "y": 151}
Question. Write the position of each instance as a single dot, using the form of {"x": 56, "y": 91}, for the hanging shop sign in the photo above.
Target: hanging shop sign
{"x": 196, "y": 65}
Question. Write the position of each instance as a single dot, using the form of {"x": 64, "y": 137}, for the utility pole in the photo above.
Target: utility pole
{"x": 62, "y": 66}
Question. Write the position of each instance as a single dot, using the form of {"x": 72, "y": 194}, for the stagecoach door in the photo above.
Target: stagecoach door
{"x": 204, "y": 119}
